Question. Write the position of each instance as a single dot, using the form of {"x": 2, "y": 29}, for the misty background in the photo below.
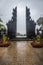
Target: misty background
{"x": 6, "y": 9}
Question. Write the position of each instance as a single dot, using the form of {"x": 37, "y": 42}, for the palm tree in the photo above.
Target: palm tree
{"x": 2, "y": 27}
{"x": 1, "y": 20}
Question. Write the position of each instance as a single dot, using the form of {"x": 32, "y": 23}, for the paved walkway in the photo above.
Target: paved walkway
{"x": 21, "y": 53}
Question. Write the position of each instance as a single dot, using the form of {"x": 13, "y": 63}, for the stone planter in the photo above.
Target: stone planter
{"x": 6, "y": 44}
{"x": 34, "y": 44}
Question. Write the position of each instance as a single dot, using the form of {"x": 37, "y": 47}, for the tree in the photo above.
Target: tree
{"x": 1, "y": 24}
{"x": 40, "y": 21}
{"x": 1, "y": 20}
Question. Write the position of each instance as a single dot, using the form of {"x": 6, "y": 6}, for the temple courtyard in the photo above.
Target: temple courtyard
{"x": 21, "y": 53}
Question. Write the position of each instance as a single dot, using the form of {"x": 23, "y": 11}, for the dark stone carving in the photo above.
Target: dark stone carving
{"x": 30, "y": 24}
{"x": 12, "y": 24}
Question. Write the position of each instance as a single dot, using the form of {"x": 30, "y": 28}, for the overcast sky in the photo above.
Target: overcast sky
{"x": 6, "y": 6}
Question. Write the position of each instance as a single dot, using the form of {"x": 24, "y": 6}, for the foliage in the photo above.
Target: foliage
{"x": 38, "y": 39}
{"x": 4, "y": 38}
{"x": 1, "y": 20}
{"x": 1, "y": 24}
{"x": 40, "y": 21}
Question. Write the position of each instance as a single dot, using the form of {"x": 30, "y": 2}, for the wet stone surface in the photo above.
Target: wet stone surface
{"x": 21, "y": 53}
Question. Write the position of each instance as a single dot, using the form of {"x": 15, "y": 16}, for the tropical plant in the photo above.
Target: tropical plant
{"x": 1, "y": 20}
{"x": 40, "y": 21}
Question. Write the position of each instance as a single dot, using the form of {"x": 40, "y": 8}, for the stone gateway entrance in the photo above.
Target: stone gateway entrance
{"x": 12, "y": 24}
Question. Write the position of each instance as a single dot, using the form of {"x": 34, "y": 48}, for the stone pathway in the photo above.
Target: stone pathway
{"x": 21, "y": 53}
